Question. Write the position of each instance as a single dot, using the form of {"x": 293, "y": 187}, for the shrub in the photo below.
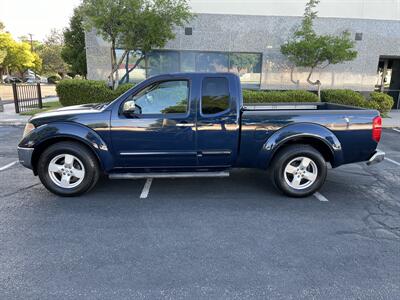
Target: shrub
{"x": 77, "y": 91}
{"x": 384, "y": 101}
{"x": 347, "y": 97}
{"x": 251, "y": 96}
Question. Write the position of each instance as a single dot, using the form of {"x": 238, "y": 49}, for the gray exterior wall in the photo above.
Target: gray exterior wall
{"x": 265, "y": 34}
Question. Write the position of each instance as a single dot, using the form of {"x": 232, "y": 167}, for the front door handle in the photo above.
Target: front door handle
{"x": 184, "y": 124}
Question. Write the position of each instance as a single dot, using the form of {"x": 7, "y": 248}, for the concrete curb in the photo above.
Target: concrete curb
{"x": 13, "y": 122}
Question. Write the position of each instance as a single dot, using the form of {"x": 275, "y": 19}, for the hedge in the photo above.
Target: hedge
{"x": 76, "y": 91}
{"x": 346, "y": 97}
{"x": 384, "y": 101}
{"x": 252, "y": 96}
{"x": 376, "y": 100}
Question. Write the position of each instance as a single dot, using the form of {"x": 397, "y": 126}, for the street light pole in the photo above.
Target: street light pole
{"x": 31, "y": 35}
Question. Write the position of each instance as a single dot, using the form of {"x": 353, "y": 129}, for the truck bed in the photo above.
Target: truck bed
{"x": 351, "y": 125}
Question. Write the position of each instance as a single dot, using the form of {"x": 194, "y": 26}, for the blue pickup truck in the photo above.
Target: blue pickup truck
{"x": 196, "y": 125}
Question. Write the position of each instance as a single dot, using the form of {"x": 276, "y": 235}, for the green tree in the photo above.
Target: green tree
{"x": 50, "y": 53}
{"x": 134, "y": 25}
{"x": 309, "y": 50}
{"x": 73, "y": 51}
{"x": 16, "y": 56}
{"x": 3, "y": 52}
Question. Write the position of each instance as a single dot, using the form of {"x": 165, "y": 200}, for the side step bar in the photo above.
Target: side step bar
{"x": 168, "y": 175}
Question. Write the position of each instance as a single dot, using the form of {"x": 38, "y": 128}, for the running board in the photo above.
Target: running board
{"x": 168, "y": 175}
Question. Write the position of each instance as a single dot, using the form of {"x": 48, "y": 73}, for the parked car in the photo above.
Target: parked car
{"x": 196, "y": 124}
{"x": 12, "y": 79}
{"x": 37, "y": 79}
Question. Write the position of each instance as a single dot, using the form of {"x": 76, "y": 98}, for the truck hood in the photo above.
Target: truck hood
{"x": 66, "y": 113}
{"x": 68, "y": 110}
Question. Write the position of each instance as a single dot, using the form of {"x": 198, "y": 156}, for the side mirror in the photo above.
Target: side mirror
{"x": 130, "y": 108}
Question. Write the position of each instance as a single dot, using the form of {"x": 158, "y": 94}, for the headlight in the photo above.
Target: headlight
{"x": 28, "y": 128}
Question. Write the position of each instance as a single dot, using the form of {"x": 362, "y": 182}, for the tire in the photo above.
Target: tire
{"x": 298, "y": 170}
{"x": 68, "y": 169}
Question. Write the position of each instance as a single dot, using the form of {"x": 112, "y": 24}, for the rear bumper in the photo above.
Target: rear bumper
{"x": 377, "y": 157}
{"x": 25, "y": 157}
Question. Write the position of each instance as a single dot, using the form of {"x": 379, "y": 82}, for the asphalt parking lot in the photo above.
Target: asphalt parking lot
{"x": 231, "y": 238}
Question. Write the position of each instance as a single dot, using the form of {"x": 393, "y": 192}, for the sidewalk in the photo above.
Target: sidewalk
{"x": 393, "y": 120}
{"x": 9, "y": 117}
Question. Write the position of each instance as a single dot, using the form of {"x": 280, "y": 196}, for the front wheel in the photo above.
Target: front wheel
{"x": 68, "y": 169}
{"x": 299, "y": 170}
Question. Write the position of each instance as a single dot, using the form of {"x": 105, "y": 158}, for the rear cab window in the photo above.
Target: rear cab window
{"x": 215, "y": 96}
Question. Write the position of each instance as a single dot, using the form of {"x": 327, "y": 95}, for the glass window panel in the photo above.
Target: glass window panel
{"x": 163, "y": 98}
{"x": 215, "y": 95}
{"x": 188, "y": 61}
{"x": 161, "y": 62}
{"x": 139, "y": 73}
{"x": 121, "y": 67}
{"x": 136, "y": 75}
{"x": 211, "y": 62}
{"x": 247, "y": 66}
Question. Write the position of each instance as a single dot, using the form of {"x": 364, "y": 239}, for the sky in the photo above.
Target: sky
{"x": 35, "y": 16}
{"x": 40, "y": 16}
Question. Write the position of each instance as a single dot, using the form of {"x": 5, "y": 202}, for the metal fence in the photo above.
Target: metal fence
{"x": 27, "y": 97}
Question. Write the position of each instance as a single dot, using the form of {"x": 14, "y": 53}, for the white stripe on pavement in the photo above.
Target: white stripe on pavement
{"x": 392, "y": 161}
{"x": 146, "y": 188}
{"x": 320, "y": 197}
{"x": 8, "y": 166}
{"x": 395, "y": 129}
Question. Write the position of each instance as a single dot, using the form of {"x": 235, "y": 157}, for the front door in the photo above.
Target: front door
{"x": 161, "y": 132}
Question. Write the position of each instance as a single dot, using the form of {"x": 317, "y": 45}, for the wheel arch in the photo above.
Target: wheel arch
{"x": 317, "y": 136}
{"x": 43, "y": 145}
{"x": 320, "y": 145}
{"x": 45, "y": 135}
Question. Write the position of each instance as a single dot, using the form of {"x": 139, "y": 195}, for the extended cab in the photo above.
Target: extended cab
{"x": 195, "y": 124}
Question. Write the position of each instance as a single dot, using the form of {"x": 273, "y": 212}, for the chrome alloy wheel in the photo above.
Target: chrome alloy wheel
{"x": 300, "y": 173}
{"x": 66, "y": 171}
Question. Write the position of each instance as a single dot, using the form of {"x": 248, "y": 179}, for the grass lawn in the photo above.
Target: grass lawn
{"x": 46, "y": 106}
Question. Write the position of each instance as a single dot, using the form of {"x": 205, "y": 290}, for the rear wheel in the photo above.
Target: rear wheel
{"x": 299, "y": 170}
{"x": 68, "y": 169}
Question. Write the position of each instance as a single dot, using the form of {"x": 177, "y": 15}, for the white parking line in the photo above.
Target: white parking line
{"x": 395, "y": 129}
{"x": 8, "y": 166}
{"x": 392, "y": 161}
{"x": 146, "y": 188}
{"x": 320, "y": 197}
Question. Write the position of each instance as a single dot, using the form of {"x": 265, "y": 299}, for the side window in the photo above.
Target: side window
{"x": 215, "y": 95}
{"x": 166, "y": 97}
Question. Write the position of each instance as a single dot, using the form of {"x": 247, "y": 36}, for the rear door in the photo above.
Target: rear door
{"x": 218, "y": 121}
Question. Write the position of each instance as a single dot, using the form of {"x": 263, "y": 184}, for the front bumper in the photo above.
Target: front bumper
{"x": 378, "y": 157}
{"x": 25, "y": 157}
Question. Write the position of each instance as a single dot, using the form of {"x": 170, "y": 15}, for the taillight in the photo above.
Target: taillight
{"x": 377, "y": 129}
